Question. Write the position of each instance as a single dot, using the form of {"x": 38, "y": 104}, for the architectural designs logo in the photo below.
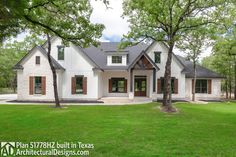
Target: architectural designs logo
{"x": 7, "y": 148}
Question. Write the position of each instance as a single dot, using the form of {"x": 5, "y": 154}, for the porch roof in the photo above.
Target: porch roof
{"x": 143, "y": 66}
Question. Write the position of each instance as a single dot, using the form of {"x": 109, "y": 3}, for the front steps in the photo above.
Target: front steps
{"x": 125, "y": 100}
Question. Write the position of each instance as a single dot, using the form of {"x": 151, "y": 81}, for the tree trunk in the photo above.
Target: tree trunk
{"x": 194, "y": 79}
{"x": 234, "y": 78}
{"x": 57, "y": 102}
{"x": 166, "y": 104}
{"x": 230, "y": 84}
{"x": 226, "y": 88}
{"x": 230, "y": 89}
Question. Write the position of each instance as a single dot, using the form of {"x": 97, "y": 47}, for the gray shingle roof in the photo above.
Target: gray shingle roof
{"x": 44, "y": 52}
{"x": 98, "y": 54}
{"x": 201, "y": 71}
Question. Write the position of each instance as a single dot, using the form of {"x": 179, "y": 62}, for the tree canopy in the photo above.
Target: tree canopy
{"x": 193, "y": 44}
{"x": 69, "y": 20}
{"x": 168, "y": 20}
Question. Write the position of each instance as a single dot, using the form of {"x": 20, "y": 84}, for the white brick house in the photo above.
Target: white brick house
{"x": 105, "y": 71}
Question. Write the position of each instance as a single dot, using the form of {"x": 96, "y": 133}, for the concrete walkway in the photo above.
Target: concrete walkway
{"x": 6, "y": 99}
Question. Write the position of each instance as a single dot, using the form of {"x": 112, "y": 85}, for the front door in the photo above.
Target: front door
{"x": 140, "y": 86}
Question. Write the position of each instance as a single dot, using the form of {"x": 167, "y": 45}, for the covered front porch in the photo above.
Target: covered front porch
{"x": 142, "y": 77}
{"x": 139, "y": 80}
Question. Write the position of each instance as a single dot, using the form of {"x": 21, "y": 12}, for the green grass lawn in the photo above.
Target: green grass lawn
{"x": 135, "y": 130}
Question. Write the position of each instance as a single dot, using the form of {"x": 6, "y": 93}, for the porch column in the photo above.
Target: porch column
{"x": 131, "y": 80}
{"x": 131, "y": 93}
{"x": 154, "y": 80}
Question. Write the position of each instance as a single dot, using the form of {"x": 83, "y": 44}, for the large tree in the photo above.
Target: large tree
{"x": 193, "y": 45}
{"x": 69, "y": 20}
{"x": 167, "y": 20}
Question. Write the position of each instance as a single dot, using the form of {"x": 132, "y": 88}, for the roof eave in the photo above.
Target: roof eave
{"x": 208, "y": 77}
{"x": 98, "y": 69}
{"x": 18, "y": 68}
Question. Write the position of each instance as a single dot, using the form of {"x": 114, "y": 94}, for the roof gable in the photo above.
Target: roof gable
{"x": 163, "y": 47}
{"x": 33, "y": 50}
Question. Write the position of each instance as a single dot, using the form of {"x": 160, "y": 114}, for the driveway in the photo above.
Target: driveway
{"x": 7, "y": 97}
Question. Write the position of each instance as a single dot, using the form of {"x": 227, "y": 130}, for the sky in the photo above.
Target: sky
{"x": 115, "y": 25}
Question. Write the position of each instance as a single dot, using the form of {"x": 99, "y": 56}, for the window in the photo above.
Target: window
{"x": 37, "y": 60}
{"x": 37, "y": 85}
{"x": 157, "y": 57}
{"x": 79, "y": 85}
{"x": 201, "y": 86}
{"x": 172, "y": 85}
{"x": 116, "y": 59}
{"x": 60, "y": 50}
{"x": 118, "y": 85}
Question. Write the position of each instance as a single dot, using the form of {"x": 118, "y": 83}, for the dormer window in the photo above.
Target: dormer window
{"x": 60, "y": 50}
{"x": 157, "y": 57}
{"x": 116, "y": 59}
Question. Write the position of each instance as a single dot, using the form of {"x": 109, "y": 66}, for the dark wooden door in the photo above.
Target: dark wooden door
{"x": 140, "y": 87}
